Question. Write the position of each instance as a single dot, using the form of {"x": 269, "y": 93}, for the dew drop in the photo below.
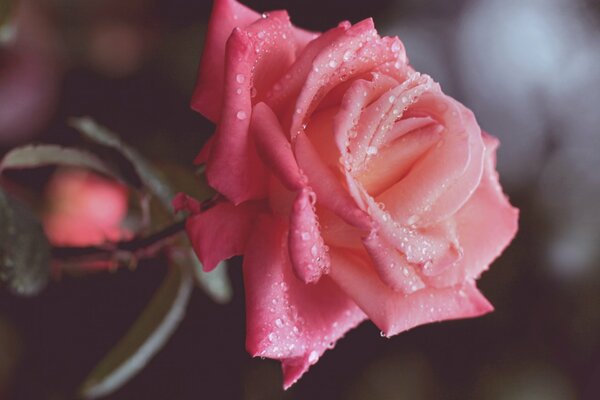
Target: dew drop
{"x": 382, "y": 334}
{"x": 391, "y": 99}
{"x": 372, "y": 150}
{"x": 252, "y": 92}
{"x": 395, "y": 47}
{"x": 332, "y": 64}
{"x": 283, "y": 36}
{"x": 241, "y": 115}
{"x": 313, "y": 357}
{"x": 261, "y": 35}
{"x": 240, "y": 78}
{"x": 298, "y": 111}
{"x": 314, "y": 250}
{"x": 413, "y": 219}
{"x": 279, "y": 323}
{"x": 405, "y": 271}
{"x": 272, "y": 337}
{"x": 238, "y": 91}
{"x": 305, "y": 236}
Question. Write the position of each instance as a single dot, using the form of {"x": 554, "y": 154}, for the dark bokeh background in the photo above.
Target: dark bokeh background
{"x": 530, "y": 71}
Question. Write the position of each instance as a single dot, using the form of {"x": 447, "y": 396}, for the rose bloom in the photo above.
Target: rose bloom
{"x": 84, "y": 209}
{"x": 353, "y": 187}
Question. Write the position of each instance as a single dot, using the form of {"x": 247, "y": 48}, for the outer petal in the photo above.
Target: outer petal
{"x": 275, "y": 148}
{"x": 286, "y": 319}
{"x": 208, "y": 93}
{"x": 255, "y": 58}
{"x": 485, "y": 225}
{"x": 394, "y": 312}
{"x": 221, "y": 232}
{"x": 308, "y": 253}
{"x": 227, "y": 15}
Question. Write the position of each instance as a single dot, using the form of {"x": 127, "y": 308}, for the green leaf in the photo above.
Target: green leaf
{"x": 33, "y": 156}
{"x": 7, "y": 25}
{"x": 214, "y": 283}
{"x": 145, "y": 338}
{"x": 24, "y": 249}
{"x": 151, "y": 178}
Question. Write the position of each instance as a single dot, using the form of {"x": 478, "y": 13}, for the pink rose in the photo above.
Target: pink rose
{"x": 353, "y": 187}
{"x": 84, "y": 209}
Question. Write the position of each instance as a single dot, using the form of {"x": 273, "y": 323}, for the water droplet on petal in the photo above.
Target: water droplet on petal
{"x": 240, "y": 78}
{"x": 305, "y": 236}
{"x": 252, "y": 92}
{"x": 241, "y": 115}
{"x": 371, "y": 150}
{"x": 332, "y": 63}
{"x": 347, "y": 55}
{"x": 238, "y": 91}
{"x": 392, "y": 98}
{"x": 313, "y": 357}
{"x": 261, "y": 35}
{"x": 279, "y": 323}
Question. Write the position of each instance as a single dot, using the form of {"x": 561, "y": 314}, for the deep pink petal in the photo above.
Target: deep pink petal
{"x": 204, "y": 154}
{"x": 255, "y": 58}
{"x": 274, "y": 147}
{"x": 233, "y": 168}
{"x": 208, "y": 93}
{"x": 308, "y": 253}
{"x": 286, "y": 319}
{"x": 221, "y": 232}
{"x": 394, "y": 312}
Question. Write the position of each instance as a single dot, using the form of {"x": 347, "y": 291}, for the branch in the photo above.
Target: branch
{"x": 138, "y": 246}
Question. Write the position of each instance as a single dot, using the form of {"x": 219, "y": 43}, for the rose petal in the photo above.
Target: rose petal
{"x": 394, "y": 312}
{"x": 221, "y": 231}
{"x": 255, "y": 58}
{"x": 393, "y": 268}
{"x": 485, "y": 225}
{"x": 359, "y": 95}
{"x": 326, "y": 185}
{"x": 395, "y": 161}
{"x": 291, "y": 83}
{"x": 208, "y": 93}
{"x": 274, "y": 147}
{"x": 331, "y": 66}
{"x": 444, "y": 179}
{"x": 308, "y": 253}
{"x": 378, "y": 118}
{"x": 286, "y": 319}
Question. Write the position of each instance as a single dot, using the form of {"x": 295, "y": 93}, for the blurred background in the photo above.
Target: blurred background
{"x": 530, "y": 69}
